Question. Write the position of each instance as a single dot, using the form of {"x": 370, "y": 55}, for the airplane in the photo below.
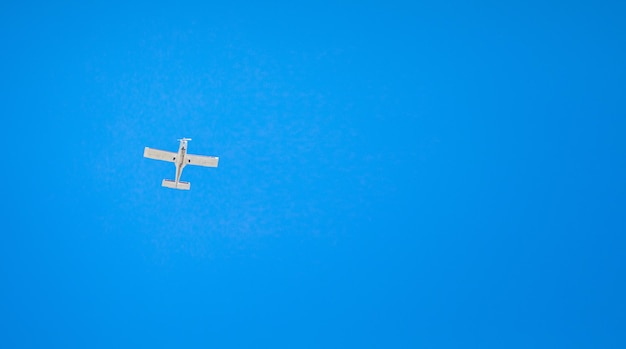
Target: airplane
{"x": 180, "y": 159}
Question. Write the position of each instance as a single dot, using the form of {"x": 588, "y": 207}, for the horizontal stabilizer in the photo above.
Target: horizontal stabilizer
{"x": 172, "y": 184}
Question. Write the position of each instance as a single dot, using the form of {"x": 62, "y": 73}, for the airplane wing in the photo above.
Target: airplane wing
{"x": 157, "y": 154}
{"x": 199, "y": 160}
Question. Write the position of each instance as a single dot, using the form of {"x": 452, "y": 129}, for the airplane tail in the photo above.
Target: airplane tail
{"x": 172, "y": 184}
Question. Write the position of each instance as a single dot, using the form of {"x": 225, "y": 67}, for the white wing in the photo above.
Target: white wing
{"x": 157, "y": 154}
{"x": 199, "y": 160}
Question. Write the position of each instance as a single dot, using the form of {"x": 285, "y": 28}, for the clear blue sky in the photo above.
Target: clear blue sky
{"x": 392, "y": 175}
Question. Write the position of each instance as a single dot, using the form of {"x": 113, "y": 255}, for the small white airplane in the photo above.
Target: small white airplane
{"x": 180, "y": 159}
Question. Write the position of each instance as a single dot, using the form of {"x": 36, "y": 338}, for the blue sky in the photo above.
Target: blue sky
{"x": 392, "y": 175}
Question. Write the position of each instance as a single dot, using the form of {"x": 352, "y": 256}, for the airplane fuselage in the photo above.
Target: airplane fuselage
{"x": 180, "y": 159}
